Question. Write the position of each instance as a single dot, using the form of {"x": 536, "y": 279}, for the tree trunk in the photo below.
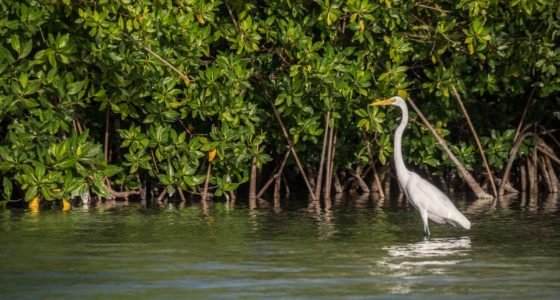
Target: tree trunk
{"x": 232, "y": 197}
{"x": 535, "y": 159}
{"x": 159, "y": 200}
{"x": 523, "y": 177}
{"x": 549, "y": 154}
{"x": 311, "y": 174}
{"x": 529, "y": 100}
{"x": 363, "y": 186}
{"x": 382, "y": 174}
{"x": 253, "y": 185}
{"x": 106, "y": 144}
{"x": 181, "y": 195}
{"x": 512, "y": 154}
{"x": 277, "y": 191}
{"x": 327, "y": 188}
{"x": 533, "y": 189}
{"x": 376, "y": 182}
{"x": 373, "y": 187}
{"x": 475, "y": 187}
{"x": 332, "y": 170}
{"x": 322, "y": 162}
{"x": 337, "y": 186}
{"x": 205, "y": 191}
{"x": 387, "y": 186}
{"x": 552, "y": 175}
{"x": 544, "y": 174}
{"x": 286, "y": 187}
{"x": 508, "y": 187}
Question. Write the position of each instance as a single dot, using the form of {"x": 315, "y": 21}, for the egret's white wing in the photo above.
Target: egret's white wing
{"x": 437, "y": 219}
{"x": 426, "y": 196}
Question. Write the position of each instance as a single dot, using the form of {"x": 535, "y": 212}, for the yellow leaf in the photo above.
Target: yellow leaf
{"x": 403, "y": 94}
{"x": 34, "y": 203}
{"x": 211, "y": 154}
{"x": 201, "y": 19}
{"x": 362, "y": 25}
{"x": 66, "y": 206}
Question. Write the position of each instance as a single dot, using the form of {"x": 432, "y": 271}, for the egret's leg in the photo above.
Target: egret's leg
{"x": 424, "y": 214}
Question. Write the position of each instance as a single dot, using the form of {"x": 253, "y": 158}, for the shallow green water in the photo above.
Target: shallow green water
{"x": 359, "y": 248}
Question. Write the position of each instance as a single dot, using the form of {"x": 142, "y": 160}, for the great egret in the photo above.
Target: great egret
{"x": 432, "y": 203}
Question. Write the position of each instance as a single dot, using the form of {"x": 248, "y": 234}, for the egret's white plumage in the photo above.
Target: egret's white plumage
{"x": 432, "y": 203}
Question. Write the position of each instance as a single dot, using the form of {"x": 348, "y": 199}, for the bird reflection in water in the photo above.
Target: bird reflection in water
{"x": 428, "y": 257}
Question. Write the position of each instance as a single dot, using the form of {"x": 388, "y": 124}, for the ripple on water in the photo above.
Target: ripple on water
{"x": 357, "y": 249}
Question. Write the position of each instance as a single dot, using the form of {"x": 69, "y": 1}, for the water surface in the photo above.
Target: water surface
{"x": 358, "y": 248}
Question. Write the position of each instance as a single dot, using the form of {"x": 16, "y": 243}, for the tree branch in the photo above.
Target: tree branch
{"x": 268, "y": 96}
{"x": 475, "y": 187}
{"x": 165, "y": 62}
{"x": 473, "y": 131}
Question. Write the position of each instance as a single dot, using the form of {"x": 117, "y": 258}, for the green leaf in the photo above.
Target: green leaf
{"x": 112, "y": 170}
{"x": 361, "y": 112}
{"x": 75, "y": 87}
{"x": 46, "y": 193}
{"x": 39, "y": 170}
{"x": 6, "y": 166}
{"x": 5, "y": 154}
{"x": 30, "y": 193}
{"x": 98, "y": 186}
{"x": 362, "y": 123}
{"x": 26, "y": 50}
{"x": 65, "y": 164}
{"x": 164, "y": 179}
{"x": 171, "y": 114}
{"x": 33, "y": 87}
{"x": 23, "y": 79}
{"x": 115, "y": 56}
{"x": 51, "y": 57}
{"x": 14, "y": 41}
{"x": 8, "y": 188}
{"x": 382, "y": 158}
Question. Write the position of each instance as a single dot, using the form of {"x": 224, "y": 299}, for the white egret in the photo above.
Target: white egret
{"x": 432, "y": 203}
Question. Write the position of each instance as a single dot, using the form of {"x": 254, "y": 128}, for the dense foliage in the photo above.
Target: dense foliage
{"x": 98, "y": 96}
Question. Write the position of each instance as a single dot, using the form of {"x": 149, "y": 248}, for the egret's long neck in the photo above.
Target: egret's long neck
{"x": 402, "y": 171}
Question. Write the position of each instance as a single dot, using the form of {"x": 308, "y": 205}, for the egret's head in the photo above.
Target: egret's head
{"x": 396, "y": 101}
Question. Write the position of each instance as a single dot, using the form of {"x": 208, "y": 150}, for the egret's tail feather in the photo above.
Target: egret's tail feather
{"x": 463, "y": 221}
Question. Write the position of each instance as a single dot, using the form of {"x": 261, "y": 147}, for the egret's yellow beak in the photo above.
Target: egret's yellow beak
{"x": 383, "y": 102}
